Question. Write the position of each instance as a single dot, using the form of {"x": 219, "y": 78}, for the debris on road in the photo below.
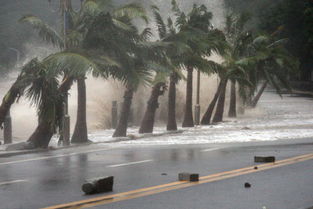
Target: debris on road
{"x": 188, "y": 177}
{"x": 247, "y": 185}
{"x": 269, "y": 159}
{"x": 104, "y": 184}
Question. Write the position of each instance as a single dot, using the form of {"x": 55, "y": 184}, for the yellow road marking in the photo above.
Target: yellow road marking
{"x": 177, "y": 185}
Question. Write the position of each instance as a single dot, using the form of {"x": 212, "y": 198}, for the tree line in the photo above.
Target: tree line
{"x": 293, "y": 18}
{"x": 105, "y": 41}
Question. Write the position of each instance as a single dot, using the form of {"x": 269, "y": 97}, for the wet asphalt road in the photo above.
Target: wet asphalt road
{"x": 45, "y": 179}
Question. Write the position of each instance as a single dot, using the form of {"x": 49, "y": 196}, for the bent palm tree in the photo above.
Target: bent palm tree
{"x": 207, "y": 41}
{"x": 273, "y": 64}
{"x": 39, "y": 80}
{"x": 237, "y": 38}
{"x": 134, "y": 53}
{"x": 159, "y": 87}
{"x": 28, "y": 72}
{"x": 80, "y": 27}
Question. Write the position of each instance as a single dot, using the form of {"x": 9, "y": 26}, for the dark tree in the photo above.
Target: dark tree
{"x": 188, "y": 117}
{"x": 147, "y": 122}
{"x": 80, "y": 134}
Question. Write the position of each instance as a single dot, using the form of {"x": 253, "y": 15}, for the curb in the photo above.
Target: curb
{"x": 20, "y": 152}
{"x": 119, "y": 139}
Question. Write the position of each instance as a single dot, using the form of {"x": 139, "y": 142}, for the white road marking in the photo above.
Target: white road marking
{"x": 210, "y": 149}
{"x": 130, "y": 163}
{"x": 51, "y": 157}
{"x": 12, "y": 182}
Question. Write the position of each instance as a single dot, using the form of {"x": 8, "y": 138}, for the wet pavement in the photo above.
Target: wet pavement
{"x": 279, "y": 127}
{"x": 45, "y": 179}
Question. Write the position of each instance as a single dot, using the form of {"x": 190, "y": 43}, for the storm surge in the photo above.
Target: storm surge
{"x": 101, "y": 93}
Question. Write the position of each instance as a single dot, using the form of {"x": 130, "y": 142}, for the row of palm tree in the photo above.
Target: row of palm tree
{"x": 104, "y": 41}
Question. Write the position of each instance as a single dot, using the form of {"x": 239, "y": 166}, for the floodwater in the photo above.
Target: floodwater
{"x": 275, "y": 118}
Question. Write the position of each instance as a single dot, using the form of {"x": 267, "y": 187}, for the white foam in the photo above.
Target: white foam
{"x": 276, "y": 118}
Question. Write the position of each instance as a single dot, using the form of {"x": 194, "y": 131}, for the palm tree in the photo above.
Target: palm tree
{"x": 233, "y": 101}
{"x": 39, "y": 81}
{"x": 73, "y": 64}
{"x": 206, "y": 119}
{"x": 272, "y": 65}
{"x": 80, "y": 25}
{"x": 136, "y": 55}
{"x": 17, "y": 89}
{"x": 48, "y": 93}
{"x": 182, "y": 42}
{"x": 166, "y": 35}
{"x": 237, "y": 38}
{"x": 145, "y": 61}
{"x": 171, "y": 112}
{"x": 177, "y": 47}
{"x": 198, "y": 22}
{"x": 234, "y": 71}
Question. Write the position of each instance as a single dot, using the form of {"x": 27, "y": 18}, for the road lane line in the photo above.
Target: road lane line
{"x": 210, "y": 149}
{"x": 12, "y": 182}
{"x": 51, "y": 157}
{"x": 179, "y": 185}
{"x": 130, "y": 163}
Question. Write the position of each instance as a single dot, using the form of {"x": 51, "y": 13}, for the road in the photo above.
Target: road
{"x": 48, "y": 179}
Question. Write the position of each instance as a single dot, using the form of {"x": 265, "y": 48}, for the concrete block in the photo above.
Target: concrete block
{"x": 100, "y": 185}
{"x": 268, "y": 159}
{"x": 188, "y": 177}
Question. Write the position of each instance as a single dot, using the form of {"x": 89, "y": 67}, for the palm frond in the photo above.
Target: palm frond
{"x": 146, "y": 34}
{"x": 122, "y": 24}
{"x": 175, "y": 8}
{"x": 261, "y": 40}
{"x": 46, "y": 32}
{"x": 278, "y": 43}
{"x": 159, "y": 21}
{"x": 170, "y": 26}
{"x": 131, "y": 11}
{"x": 73, "y": 64}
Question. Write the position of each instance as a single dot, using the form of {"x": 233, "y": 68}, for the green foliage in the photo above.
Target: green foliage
{"x": 44, "y": 30}
{"x": 131, "y": 11}
{"x": 293, "y": 20}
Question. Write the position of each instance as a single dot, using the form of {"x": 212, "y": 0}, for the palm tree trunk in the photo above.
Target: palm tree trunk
{"x": 218, "y": 117}
{"x": 256, "y": 99}
{"x": 147, "y": 122}
{"x": 188, "y": 117}
{"x": 171, "y": 114}
{"x": 206, "y": 119}
{"x": 121, "y": 128}
{"x": 7, "y": 102}
{"x": 232, "y": 106}
{"x": 42, "y": 135}
{"x": 80, "y": 134}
